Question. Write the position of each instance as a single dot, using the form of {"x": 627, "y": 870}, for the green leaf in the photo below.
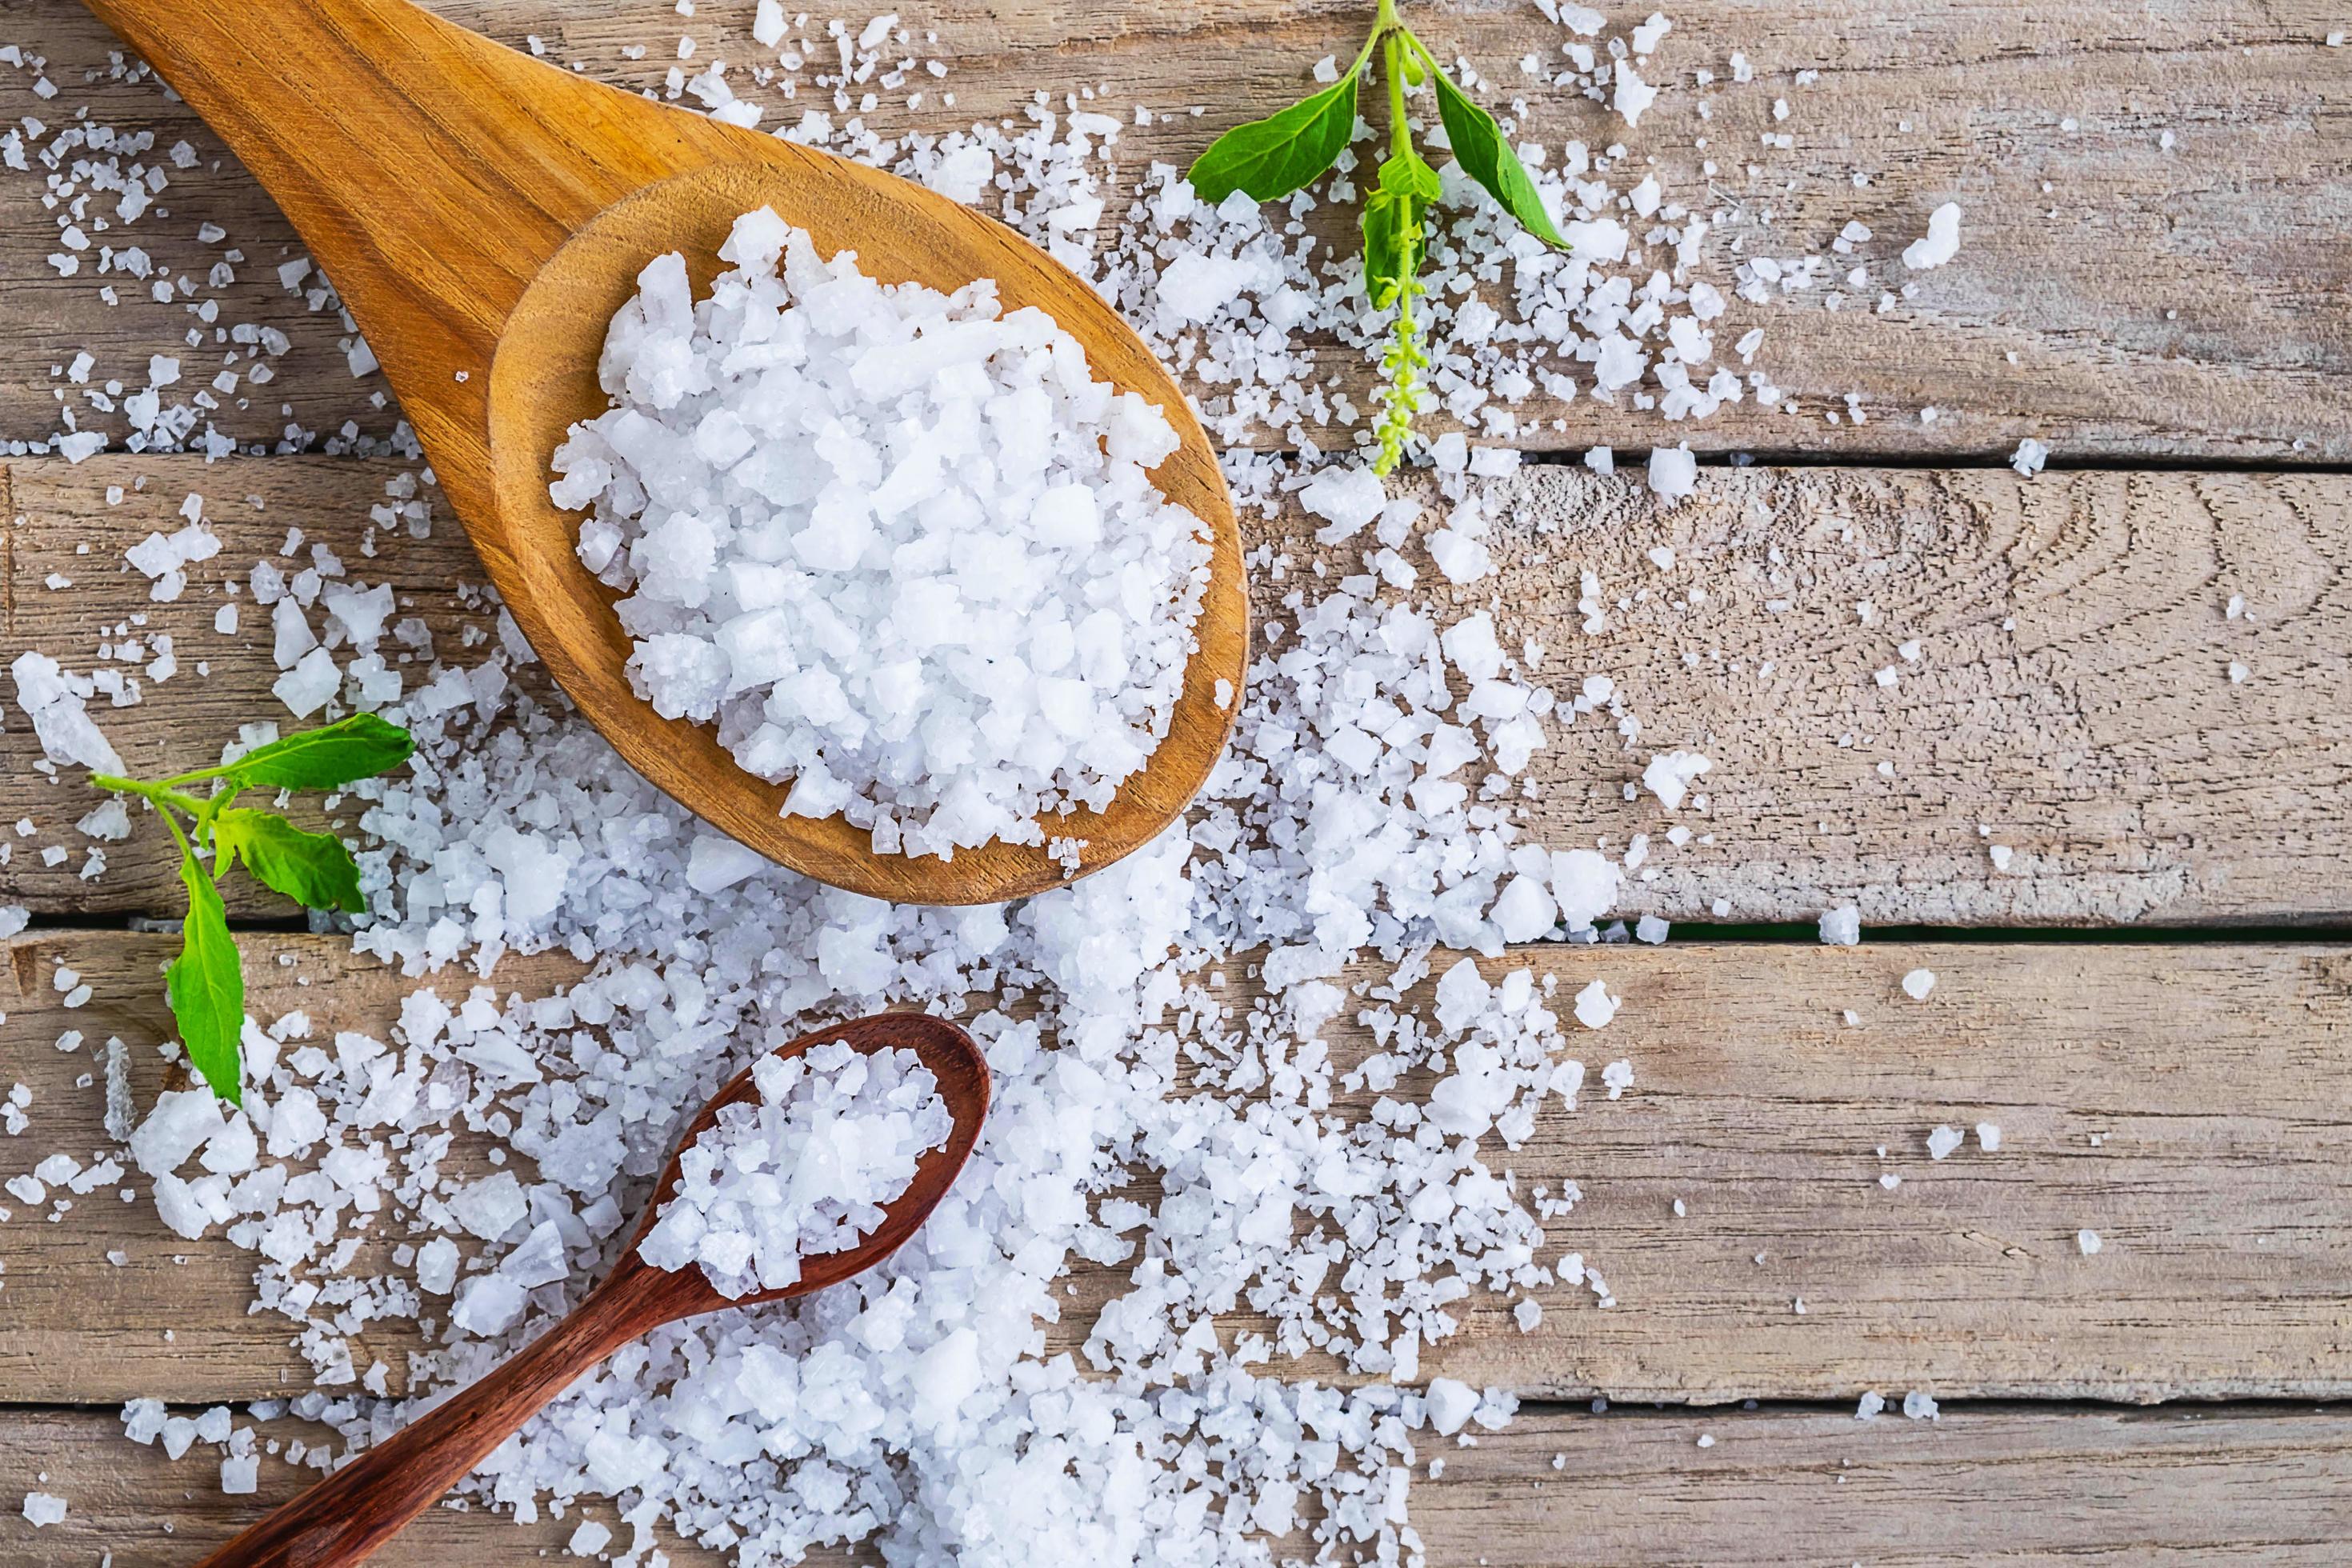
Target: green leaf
{"x": 1395, "y": 217}
{"x": 1487, "y": 158}
{"x": 208, "y": 987}
{"x": 1273, "y": 157}
{"x": 358, "y": 747}
{"x": 312, "y": 868}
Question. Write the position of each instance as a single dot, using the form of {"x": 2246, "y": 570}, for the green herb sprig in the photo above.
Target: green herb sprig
{"x": 1273, "y": 157}
{"x": 206, "y": 984}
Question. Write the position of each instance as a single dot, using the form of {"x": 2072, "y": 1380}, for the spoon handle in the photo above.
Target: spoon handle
{"x": 347, "y": 1516}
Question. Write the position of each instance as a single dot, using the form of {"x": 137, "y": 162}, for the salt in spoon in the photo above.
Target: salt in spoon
{"x": 483, "y": 215}
{"x": 358, "y": 1508}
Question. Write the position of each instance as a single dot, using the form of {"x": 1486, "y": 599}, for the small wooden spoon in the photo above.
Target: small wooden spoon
{"x": 358, "y": 1508}
{"x": 483, "y": 215}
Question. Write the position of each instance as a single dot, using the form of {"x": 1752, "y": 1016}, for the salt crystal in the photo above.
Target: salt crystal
{"x": 1634, "y": 96}
{"x": 1451, "y": 1401}
{"x": 1674, "y": 472}
{"x": 490, "y": 1206}
{"x": 1941, "y": 242}
{"x": 1918, "y": 982}
{"x": 1669, "y": 776}
{"x": 43, "y": 1509}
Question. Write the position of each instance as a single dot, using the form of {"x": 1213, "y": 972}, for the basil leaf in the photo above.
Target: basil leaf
{"x": 358, "y": 747}
{"x": 206, "y": 986}
{"x": 314, "y": 870}
{"x": 1487, "y": 158}
{"x": 1395, "y": 213}
{"x": 1274, "y": 156}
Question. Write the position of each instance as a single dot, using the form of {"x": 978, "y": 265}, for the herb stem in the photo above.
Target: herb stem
{"x": 1419, "y": 48}
{"x": 1400, "y": 128}
{"x": 178, "y": 837}
{"x": 1382, "y": 25}
{"x": 160, "y": 794}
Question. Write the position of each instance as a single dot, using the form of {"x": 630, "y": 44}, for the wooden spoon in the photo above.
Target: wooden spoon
{"x": 347, "y": 1516}
{"x": 483, "y": 215}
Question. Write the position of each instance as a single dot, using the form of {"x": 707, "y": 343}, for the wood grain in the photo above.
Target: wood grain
{"x": 2177, "y": 303}
{"x": 2035, "y": 1486}
{"x": 484, "y": 215}
{"x": 2072, "y": 701}
{"x": 2192, "y": 1104}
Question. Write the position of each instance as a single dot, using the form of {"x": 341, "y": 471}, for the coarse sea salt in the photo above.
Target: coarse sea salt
{"x": 1939, "y": 243}
{"x": 900, "y": 547}
{"x": 807, "y": 1169}
{"x": 1192, "y": 1144}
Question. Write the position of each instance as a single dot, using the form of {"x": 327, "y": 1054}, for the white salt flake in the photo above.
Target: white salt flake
{"x": 1939, "y": 243}
{"x": 1669, "y": 776}
{"x": 1595, "y": 1008}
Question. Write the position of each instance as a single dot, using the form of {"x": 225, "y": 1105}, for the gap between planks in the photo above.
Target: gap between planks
{"x": 2217, "y": 1082}
{"x": 2112, "y": 297}
{"x": 2027, "y": 1484}
{"x": 2072, "y": 699}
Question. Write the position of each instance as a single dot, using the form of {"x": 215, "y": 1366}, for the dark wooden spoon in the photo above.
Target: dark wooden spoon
{"x": 358, "y": 1508}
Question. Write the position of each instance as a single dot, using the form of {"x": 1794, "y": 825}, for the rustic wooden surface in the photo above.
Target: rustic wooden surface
{"x": 2171, "y": 312}
{"x": 2175, "y": 303}
{"x": 2072, "y": 694}
{"x": 2022, "y": 1484}
{"x": 2218, "y": 1178}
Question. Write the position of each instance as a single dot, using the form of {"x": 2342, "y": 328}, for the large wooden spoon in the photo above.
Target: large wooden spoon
{"x": 347, "y": 1516}
{"x": 483, "y": 215}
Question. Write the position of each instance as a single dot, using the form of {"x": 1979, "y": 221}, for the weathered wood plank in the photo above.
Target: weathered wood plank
{"x": 2073, "y": 693}
{"x": 2114, "y": 296}
{"x": 2032, "y": 1485}
{"x": 2191, "y": 1104}
{"x": 150, "y": 1511}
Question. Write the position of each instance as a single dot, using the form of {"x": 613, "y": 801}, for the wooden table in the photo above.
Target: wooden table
{"x": 2154, "y": 1000}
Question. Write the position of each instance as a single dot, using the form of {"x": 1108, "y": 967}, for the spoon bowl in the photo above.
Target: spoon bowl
{"x": 346, "y": 1517}
{"x": 483, "y": 215}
